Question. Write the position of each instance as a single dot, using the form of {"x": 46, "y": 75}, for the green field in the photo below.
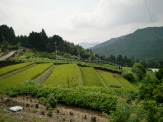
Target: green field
{"x": 64, "y": 75}
{"x": 109, "y": 79}
{"x": 124, "y": 83}
{"x": 21, "y": 77}
{"x": 11, "y": 68}
{"x": 90, "y": 77}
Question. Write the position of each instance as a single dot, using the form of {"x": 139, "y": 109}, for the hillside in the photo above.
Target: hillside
{"x": 143, "y": 44}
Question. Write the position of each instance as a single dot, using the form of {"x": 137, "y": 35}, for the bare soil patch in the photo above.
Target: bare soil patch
{"x": 35, "y": 110}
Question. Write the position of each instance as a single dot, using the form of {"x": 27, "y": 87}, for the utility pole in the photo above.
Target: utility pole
{"x": 56, "y": 51}
{"x": 79, "y": 52}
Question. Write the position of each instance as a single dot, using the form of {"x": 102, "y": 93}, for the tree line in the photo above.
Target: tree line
{"x": 39, "y": 41}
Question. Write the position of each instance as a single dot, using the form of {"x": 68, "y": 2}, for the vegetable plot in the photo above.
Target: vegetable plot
{"x": 12, "y": 68}
{"x": 66, "y": 75}
{"x": 19, "y": 78}
{"x": 90, "y": 77}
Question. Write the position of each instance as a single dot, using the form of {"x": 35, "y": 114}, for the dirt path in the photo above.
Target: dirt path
{"x": 59, "y": 114}
{"x": 41, "y": 78}
{"x": 7, "y": 56}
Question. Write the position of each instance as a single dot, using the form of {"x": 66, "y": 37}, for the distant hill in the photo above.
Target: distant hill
{"x": 143, "y": 44}
{"x": 106, "y": 43}
{"x": 87, "y": 45}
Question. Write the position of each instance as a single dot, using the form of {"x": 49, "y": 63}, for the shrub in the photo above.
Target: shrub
{"x": 114, "y": 86}
{"x": 139, "y": 70}
{"x": 93, "y": 119}
{"x": 129, "y": 77}
{"x": 12, "y": 94}
{"x": 122, "y": 113}
{"x": 51, "y": 100}
{"x": 49, "y": 113}
{"x": 37, "y": 106}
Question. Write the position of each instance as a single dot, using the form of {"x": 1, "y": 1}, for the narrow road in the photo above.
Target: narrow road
{"x": 7, "y": 56}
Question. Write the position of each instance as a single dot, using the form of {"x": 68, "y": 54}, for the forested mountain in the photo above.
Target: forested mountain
{"x": 106, "y": 43}
{"x": 39, "y": 41}
{"x": 143, "y": 44}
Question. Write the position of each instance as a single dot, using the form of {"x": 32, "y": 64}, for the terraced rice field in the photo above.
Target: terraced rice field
{"x": 21, "y": 77}
{"x": 124, "y": 83}
{"x": 109, "y": 79}
{"x": 90, "y": 77}
{"x": 8, "y": 69}
{"x": 64, "y": 75}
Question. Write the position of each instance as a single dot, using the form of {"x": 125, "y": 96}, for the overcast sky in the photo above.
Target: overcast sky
{"x": 80, "y": 20}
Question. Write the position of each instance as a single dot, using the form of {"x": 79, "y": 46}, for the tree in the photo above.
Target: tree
{"x": 159, "y": 74}
{"x": 5, "y": 45}
{"x": 139, "y": 70}
{"x": 36, "y": 41}
{"x": 45, "y": 37}
{"x": 120, "y": 59}
{"x": 7, "y": 34}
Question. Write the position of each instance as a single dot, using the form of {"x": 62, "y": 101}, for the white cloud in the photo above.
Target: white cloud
{"x": 112, "y": 18}
{"x": 82, "y": 20}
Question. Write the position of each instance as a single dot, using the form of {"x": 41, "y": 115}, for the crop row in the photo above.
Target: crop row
{"x": 8, "y": 69}
{"x": 90, "y": 77}
{"x": 19, "y": 78}
{"x": 64, "y": 75}
{"x": 70, "y": 96}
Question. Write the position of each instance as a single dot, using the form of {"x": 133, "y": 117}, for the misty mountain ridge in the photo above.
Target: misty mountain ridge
{"x": 87, "y": 45}
{"x": 143, "y": 44}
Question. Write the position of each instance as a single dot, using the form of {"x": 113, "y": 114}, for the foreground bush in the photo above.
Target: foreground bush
{"x": 70, "y": 96}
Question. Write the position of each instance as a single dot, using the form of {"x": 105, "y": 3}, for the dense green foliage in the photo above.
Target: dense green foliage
{"x": 159, "y": 74}
{"x": 143, "y": 44}
{"x": 51, "y": 100}
{"x": 152, "y": 87}
{"x": 12, "y": 68}
{"x": 64, "y": 75}
{"x": 21, "y": 77}
{"x": 72, "y": 96}
{"x": 7, "y": 34}
{"x": 139, "y": 70}
{"x": 129, "y": 77}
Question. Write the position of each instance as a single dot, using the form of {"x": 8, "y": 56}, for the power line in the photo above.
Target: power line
{"x": 153, "y": 24}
